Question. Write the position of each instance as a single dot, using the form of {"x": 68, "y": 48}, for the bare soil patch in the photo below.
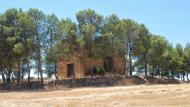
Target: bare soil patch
{"x": 122, "y": 96}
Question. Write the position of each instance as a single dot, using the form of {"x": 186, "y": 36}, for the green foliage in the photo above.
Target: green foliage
{"x": 100, "y": 71}
{"x": 96, "y": 71}
{"x": 18, "y": 48}
{"x": 33, "y": 36}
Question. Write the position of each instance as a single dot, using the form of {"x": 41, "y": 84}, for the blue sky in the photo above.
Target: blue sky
{"x": 169, "y": 18}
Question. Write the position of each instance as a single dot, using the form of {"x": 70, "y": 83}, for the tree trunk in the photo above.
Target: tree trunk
{"x": 56, "y": 71}
{"x": 153, "y": 70}
{"x": 38, "y": 74}
{"x": 161, "y": 72}
{"x": 3, "y": 76}
{"x": 18, "y": 72}
{"x": 172, "y": 74}
{"x": 187, "y": 74}
{"x": 41, "y": 74}
{"x": 126, "y": 62}
{"x": 28, "y": 69}
{"x": 40, "y": 71}
{"x": 130, "y": 62}
{"x": 18, "y": 77}
{"x": 9, "y": 76}
{"x": 22, "y": 73}
{"x": 183, "y": 76}
{"x": 146, "y": 65}
{"x": 125, "y": 67}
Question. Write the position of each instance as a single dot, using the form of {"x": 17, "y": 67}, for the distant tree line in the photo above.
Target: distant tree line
{"x": 32, "y": 39}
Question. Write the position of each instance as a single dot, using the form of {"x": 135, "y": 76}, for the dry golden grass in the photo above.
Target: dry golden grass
{"x": 126, "y": 96}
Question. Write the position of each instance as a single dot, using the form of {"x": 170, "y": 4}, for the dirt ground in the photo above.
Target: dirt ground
{"x": 124, "y": 96}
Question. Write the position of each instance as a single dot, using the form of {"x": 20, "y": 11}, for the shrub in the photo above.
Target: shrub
{"x": 100, "y": 71}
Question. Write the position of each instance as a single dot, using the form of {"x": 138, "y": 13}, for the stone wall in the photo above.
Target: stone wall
{"x": 88, "y": 82}
{"x": 34, "y": 85}
{"x": 81, "y": 67}
{"x": 90, "y": 63}
{"x": 62, "y": 68}
{"x": 85, "y": 82}
{"x": 66, "y": 83}
{"x": 119, "y": 65}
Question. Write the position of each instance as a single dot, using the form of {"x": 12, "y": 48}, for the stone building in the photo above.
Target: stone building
{"x": 73, "y": 67}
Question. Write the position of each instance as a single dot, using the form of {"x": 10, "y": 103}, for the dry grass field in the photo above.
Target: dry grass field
{"x": 124, "y": 96}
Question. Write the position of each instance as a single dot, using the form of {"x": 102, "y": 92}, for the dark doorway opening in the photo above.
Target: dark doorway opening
{"x": 70, "y": 70}
{"x": 108, "y": 63}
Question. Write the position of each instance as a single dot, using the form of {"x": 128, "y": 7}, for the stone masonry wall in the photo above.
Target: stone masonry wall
{"x": 119, "y": 65}
{"x": 80, "y": 68}
{"x": 86, "y": 82}
{"x": 66, "y": 83}
{"x": 62, "y": 68}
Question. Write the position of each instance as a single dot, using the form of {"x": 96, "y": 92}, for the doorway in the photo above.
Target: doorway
{"x": 70, "y": 70}
{"x": 109, "y": 63}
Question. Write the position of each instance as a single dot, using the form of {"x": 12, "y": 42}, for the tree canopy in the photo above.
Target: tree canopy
{"x": 33, "y": 37}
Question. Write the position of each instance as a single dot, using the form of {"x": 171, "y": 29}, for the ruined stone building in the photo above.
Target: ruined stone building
{"x": 73, "y": 67}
